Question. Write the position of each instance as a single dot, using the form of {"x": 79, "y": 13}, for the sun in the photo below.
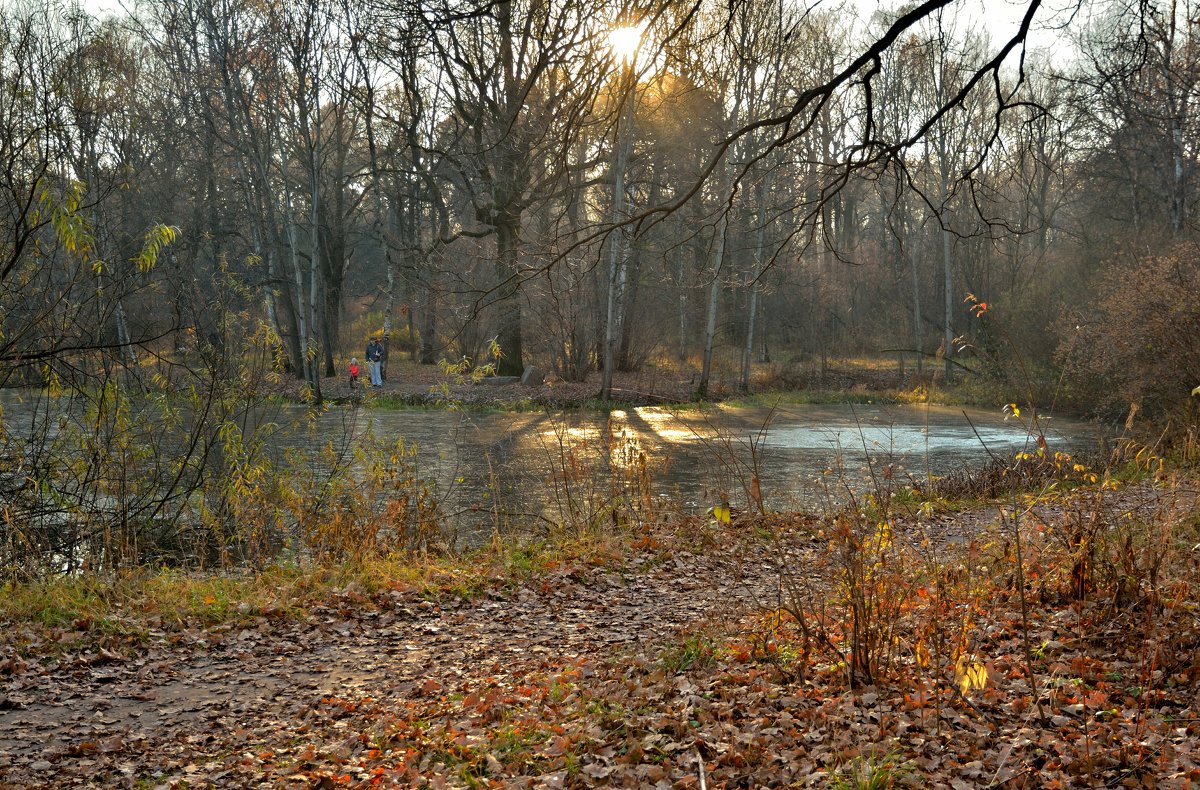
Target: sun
{"x": 626, "y": 40}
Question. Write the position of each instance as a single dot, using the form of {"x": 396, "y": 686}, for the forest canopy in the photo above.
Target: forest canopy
{"x": 740, "y": 182}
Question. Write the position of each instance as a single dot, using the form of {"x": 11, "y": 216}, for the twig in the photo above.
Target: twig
{"x": 1033, "y": 688}
{"x": 954, "y": 362}
{"x": 700, "y": 770}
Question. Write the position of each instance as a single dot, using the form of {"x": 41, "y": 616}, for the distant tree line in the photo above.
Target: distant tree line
{"x": 793, "y": 184}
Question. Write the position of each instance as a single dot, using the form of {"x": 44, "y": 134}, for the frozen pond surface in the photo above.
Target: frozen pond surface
{"x": 489, "y": 469}
{"x": 696, "y": 456}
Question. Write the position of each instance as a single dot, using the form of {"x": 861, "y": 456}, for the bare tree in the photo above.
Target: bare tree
{"x": 508, "y": 135}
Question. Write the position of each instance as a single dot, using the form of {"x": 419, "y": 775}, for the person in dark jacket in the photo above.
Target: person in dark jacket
{"x": 374, "y": 360}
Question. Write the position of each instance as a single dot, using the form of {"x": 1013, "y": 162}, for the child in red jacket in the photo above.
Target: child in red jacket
{"x": 353, "y": 372}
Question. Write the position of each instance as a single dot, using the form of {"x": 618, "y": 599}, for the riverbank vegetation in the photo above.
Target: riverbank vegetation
{"x": 670, "y": 383}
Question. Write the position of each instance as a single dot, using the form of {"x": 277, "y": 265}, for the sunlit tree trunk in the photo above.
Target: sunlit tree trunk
{"x": 617, "y": 239}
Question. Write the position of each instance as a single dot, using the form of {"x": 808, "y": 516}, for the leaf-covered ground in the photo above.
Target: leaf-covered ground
{"x": 710, "y": 658}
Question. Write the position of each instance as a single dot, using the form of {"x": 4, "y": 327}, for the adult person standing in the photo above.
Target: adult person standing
{"x": 374, "y": 360}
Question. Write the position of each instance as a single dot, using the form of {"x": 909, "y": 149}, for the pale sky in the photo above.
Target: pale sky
{"x": 999, "y": 17}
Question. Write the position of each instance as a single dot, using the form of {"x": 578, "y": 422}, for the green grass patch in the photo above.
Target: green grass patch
{"x": 694, "y": 652}
{"x": 873, "y": 772}
{"x": 57, "y": 603}
{"x": 133, "y": 602}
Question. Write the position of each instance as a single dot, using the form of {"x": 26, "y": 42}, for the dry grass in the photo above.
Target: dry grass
{"x": 132, "y": 602}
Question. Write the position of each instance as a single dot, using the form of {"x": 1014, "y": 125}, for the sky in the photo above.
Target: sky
{"x": 999, "y": 17}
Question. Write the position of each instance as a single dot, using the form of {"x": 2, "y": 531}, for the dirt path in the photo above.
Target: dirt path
{"x": 172, "y": 712}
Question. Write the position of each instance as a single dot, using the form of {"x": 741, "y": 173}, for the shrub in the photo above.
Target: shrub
{"x": 1136, "y": 341}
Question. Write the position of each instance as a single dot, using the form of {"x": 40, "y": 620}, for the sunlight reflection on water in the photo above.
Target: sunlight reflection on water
{"x": 804, "y": 456}
{"x": 696, "y": 455}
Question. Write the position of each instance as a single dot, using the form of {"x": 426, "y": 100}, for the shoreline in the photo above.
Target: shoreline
{"x": 423, "y": 386}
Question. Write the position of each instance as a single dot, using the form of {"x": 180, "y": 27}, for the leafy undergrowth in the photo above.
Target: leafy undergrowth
{"x": 1051, "y": 641}
{"x": 762, "y": 705}
{"x": 1107, "y": 718}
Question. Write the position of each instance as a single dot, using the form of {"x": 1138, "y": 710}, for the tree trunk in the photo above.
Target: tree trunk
{"x": 429, "y": 323}
{"x": 761, "y": 189}
{"x": 303, "y": 323}
{"x": 632, "y": 289}
{"x": 508, "y": 300}
{"x": 948, "y": 323}
{"x": 714, "y": 292}
{"x": 331, "y": 305}
{"x": 914, "y": 255}
{"x": 628, "y": 307}
{"x": 304, "y": 303}
{"x": 616, "y": 239}
{"x": 714, "y": 296}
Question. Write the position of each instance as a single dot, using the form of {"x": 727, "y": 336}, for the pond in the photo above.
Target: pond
{"x": 486, "y": 463}
{"x": 498, "y": 471}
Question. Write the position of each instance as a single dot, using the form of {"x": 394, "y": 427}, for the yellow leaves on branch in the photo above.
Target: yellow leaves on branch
{"x": 70, "y": 227}
{"x": 74, "y": 232}
{"x": 969, "y": 674}
{"x": 153, "y": 243}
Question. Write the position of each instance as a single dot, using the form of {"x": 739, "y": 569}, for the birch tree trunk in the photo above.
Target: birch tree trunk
{"x": 714, "y": 291}
{"x": 761, "y": 190}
